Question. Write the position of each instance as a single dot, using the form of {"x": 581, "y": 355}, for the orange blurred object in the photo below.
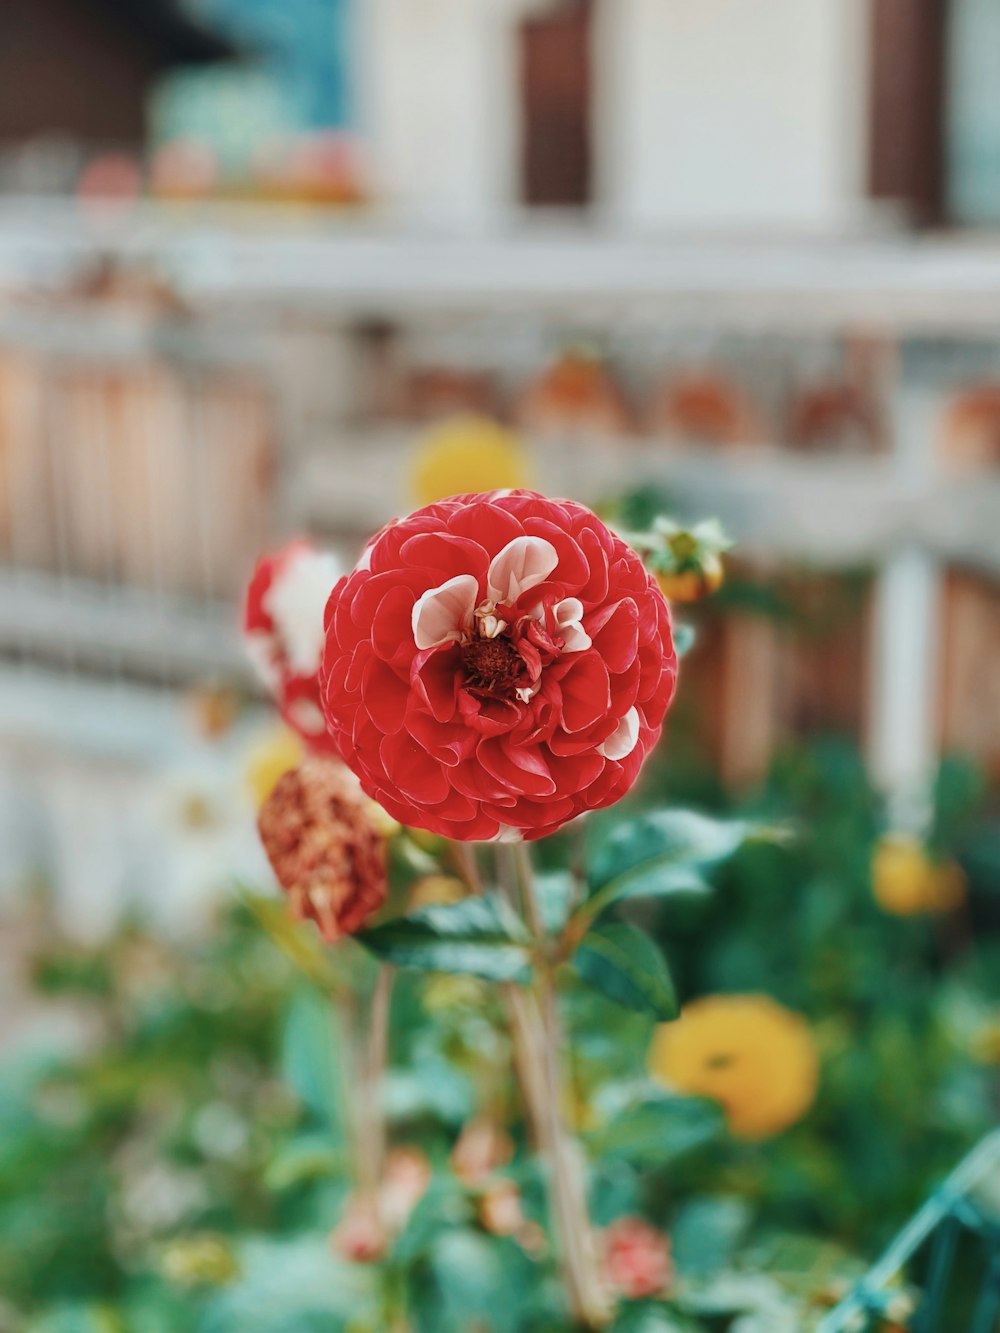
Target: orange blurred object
{"x": 577, "y": 392}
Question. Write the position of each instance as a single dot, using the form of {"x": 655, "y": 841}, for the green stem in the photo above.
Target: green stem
{"x": 368, "y": 1050}
{"x": 527, "y": 1054}
{"x": 567, "y": 1188}
{"x": 378, "y": 1048}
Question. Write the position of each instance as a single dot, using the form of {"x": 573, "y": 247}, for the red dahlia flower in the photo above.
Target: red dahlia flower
{"x": 283, "y": 628}
{"x": 496, "y": 665}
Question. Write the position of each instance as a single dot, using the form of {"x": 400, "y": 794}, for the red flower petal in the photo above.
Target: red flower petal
{"x": 470, "y": 744}
{"x": 586, "y": 691}
{"x": 614, "y": 632}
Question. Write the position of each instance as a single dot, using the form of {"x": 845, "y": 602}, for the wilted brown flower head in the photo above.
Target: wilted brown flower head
{"x": 324, "y": 847}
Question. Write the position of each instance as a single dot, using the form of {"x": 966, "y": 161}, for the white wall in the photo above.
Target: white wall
{"x": 436, "y": 83}
{"x": 732, "y": 113}
{"x": 726, "y": 113}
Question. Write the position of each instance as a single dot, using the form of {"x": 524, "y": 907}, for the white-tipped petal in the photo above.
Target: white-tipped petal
{"x": 623, "y": 739}
{"x": 443, "y": 614}
{"x": 569, "y": 625}
{"x": 508, "y": 834}
{"x": 305, "y": 715}
{"x": 522, "y": 564}
{"x": 260, "y": 650}
{"x": 296, "y": 601}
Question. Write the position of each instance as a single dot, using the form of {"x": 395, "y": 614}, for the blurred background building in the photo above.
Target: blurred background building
{"x": 250, "y": 253}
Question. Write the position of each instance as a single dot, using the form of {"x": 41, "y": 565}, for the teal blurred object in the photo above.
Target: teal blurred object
{"x": 963, "y": 1211}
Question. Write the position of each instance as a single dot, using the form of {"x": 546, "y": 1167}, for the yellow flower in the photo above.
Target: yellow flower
{"x": 755, "y": 1058}
{"x": 201, "y": 1260}
{"x": 436, "y": 890}
{"x": 906, "y": 882}
{"x": 691, "y": 585}
{"x": 465, "y": 455}
{"x": 986, "y": 1043}
{"x": 277, "y": 752}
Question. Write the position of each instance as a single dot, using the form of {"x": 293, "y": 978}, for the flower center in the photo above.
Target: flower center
{"x": 493, "y": 665}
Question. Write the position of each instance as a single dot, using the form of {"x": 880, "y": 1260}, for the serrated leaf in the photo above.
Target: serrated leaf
{"x": 657, "y": 1131}
{"x": 480, "y": 937}
{"x": 622, "y": 962}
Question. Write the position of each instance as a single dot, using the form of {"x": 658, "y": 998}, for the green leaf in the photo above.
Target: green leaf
{"x": 480, "y": 937}
{"x": 658, "y": 1131}
{"x": 294, "y": 1285}
{"x": 554, "y": 890}
{"x": 409, "y": 862}
{"x": 660, "y": 853}
{"x": 684, "y": 639}
{"x": 79, "y": 1319}
{"x": 472, "y": 1281}
{"x": 298, "y": 942}
{"x": 651, "y": 1317}
{"x": 305, "y": 1159}
{"x": 707, "y": 1232}
{"x": 444, "y": 1206}
{"x": 622, "y": 961}
{"x": 310, "y": 1058}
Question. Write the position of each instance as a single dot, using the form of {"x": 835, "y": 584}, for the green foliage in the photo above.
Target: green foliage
{"x": 467, "y": 1280}
{"x": 657, "y": 1130}
{"x": 182, "y": 1162}
{"x": 312, "y": 1061}
{"x": 655, "y": 855}
{"x": 623, "y": 962}
{"x": 478, "y": 937}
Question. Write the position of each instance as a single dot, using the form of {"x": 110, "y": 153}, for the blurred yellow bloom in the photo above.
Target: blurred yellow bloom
{"x": 384, "y": 822}
{"x": 275, "y": 754}
{"x": 906, "y": 882}
{"x": 691, "y": 585}
{"x": 755, "y": 1058}
{"x": 466, "y": 455}
{"x": 436, "y": 890}
{"x": 431, "y": 843}
{"x": 986, "y": 1043}
{"x": 202, "y": 1260}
